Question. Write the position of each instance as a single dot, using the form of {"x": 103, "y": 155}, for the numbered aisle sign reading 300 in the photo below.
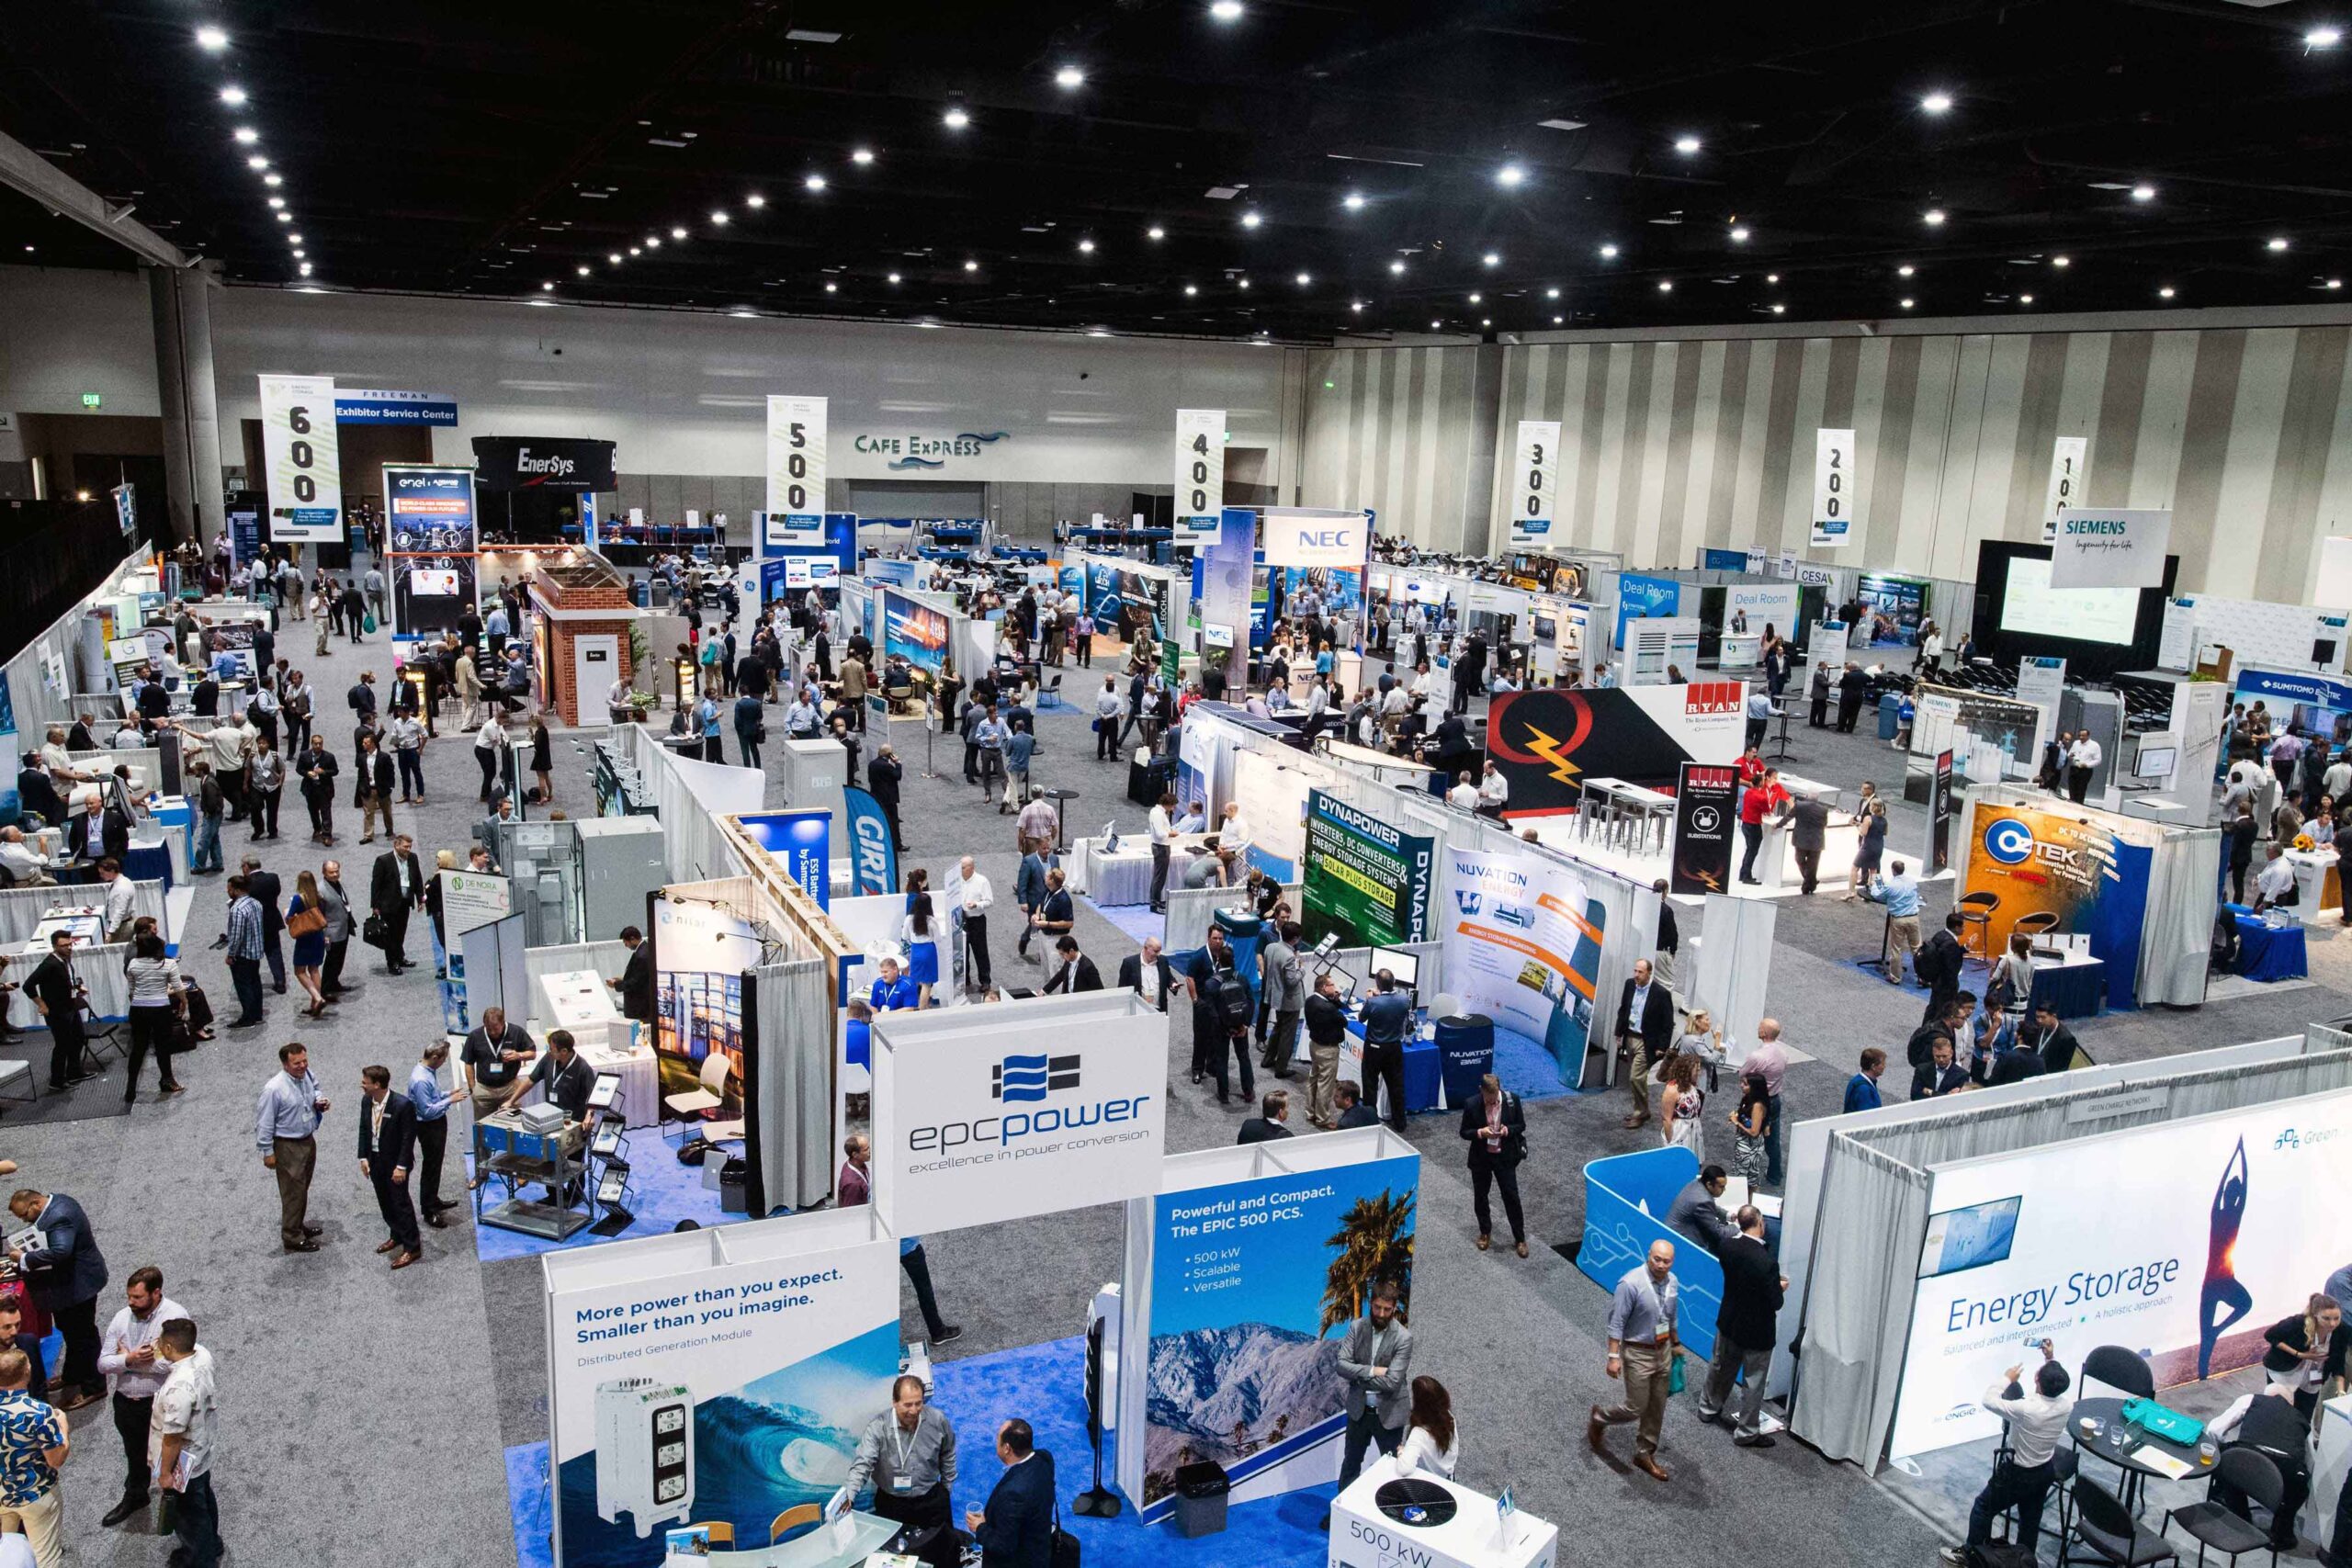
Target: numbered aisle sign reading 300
{"x": 1534, "y": 480}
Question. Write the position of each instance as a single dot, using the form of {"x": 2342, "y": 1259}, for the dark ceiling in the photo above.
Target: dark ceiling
{"x": 493, "y": 149}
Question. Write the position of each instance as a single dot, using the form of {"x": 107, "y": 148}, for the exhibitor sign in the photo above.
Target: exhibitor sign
{"x": 976, "y": 1120}
{"x": 1706, "y": 807}
{"x": 2110, "y": 549}
{"x": 1364, "y": 879}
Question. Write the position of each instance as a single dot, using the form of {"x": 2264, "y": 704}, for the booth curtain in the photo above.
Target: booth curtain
{"x": 792, "y": 1084}
{"x": 2178, "y": 931}
{"x": 606, "y": 958}
{"x": 1191, "y": 910}
{"x": 1857, "y": 1314}
{"x": 21, "y": 909}
{"x": 687, "y": 797}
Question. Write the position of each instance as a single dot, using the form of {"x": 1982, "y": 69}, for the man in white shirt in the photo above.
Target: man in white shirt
{"x": 2036, "y": 1420}
{"x": 2275, "y": 882}
{"x": 186, "y": 1413}
{"x": 127, "y": 1354}
{"x": 1464, "y": 796}
{"x": 22, "y": 863}
{"x": 2336, "y": 783}
{"x": 119, "y": 899}
{"x": 1163, "y": 834}
{"x": 1233, "y": 832}
{"x": 970, "y": 896}
{"x": 2082, "y": 761}
{"x": 1494, "y": 789}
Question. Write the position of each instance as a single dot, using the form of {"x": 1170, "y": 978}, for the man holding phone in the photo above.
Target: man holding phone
{"x": 285, "y": 1129}
{"x": 2036, "y": 1420}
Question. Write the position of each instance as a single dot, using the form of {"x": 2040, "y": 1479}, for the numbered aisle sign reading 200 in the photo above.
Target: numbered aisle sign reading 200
{"x": 302, "y": 458}
{"x": 1833, "y": 487}
{"x": 1200, "y": 472}
{"x": 796, "y": 470}
{"x": 1534, "y": 483}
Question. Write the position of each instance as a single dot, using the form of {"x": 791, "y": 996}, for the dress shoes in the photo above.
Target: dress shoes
{"x": 1650, "y": 1467}
{"x": 1595, "y": 1432}
{"x": 123, "y": 1510}
{"x": 305, "y": 1245}
{"x": 405, "y": 1258}
{"x": 387, "y": 1245}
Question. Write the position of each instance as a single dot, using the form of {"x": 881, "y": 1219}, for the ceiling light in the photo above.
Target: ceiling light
{"x": 1933, "y": 217}
{"x": 1191, "y": 289}
{"x": 546, "y": 285}
{"x": 814, "y": 182}
{"x": 1608, "y": 252}
{"x": 862, "y": 156}
{"x": 2318, "y": 38}
{"x": 583, "y": 270}
{"x": 833, "y": 289}
{"x": 293, "y": 238}
{"x": 2143, "y": 193}
{"x": 1069, "y": 78}
{"x": 1557, "y": 320}
{"x": 1478, "y": 298}
{"x": 1303, "y": 279}
{"x": 652, "y": 243}
{"x": 1685, "y": 145}
{"x": 306, "y": 269}
{"x": 1154, "y": 232}
{"x": 1241, "y": 283}
{"x": 1665, "y": 286}
{"x": 1908, "y": 302}
{"x": 280, "y": 179}
{"x": 677, "y": 233}
{"x": 1226, "y": 10}
{"x": 956, "y": 118}
{"x": 755, "y": 201}
{"x": 637, "y": 250}
{"x": 1551, "y": 294}
{"x": 2061, "y": 261}
{"x": 283, "y": 218}
{"x": 1936, "y": 103}
{"x": 277, "y": 201}
{"x": 719, "y": 219}
{"x": 1906, "y": 270}
{"x": 299, "y": 252}
{"x": 1779, "y": 309}
{"x": 2277, "y": 243}
{"x": 1491, "y": 259}
{"x": 1352, "y": 201}
{"x": 1250, "y": 221}
{"x": 1398, "y": 266}
{"x": 246, "y": 135}
{"x": 1356, "y": 306}
{"x": 614, "y": 257}
{"x": 2165, "y": 292}
{"x": 214, "y": 40}
{"x": 1509, "y": 176}
{"x": 1486, "y": 320}
{"x": 894, "y": 277}
{"x": 2332, "y": 283}
{"x": 233, "y": 97}
{"x": 743, "y": 315}
{"x": 1771, "y": 278}
{"x": 1086, "y": 247}
{"x": 1739, "y": 236}
{"x": 257, "y": 162}
{"x": 971, "y": 265}
{"x": 2025, "y": 299}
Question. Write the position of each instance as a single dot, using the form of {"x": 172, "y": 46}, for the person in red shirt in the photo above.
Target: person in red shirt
{"x": 1750, "y": 767}
{"x": 1761, "y": 799}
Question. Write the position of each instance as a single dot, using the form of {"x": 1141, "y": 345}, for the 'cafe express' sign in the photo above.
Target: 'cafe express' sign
{"x": 934, "y": 448}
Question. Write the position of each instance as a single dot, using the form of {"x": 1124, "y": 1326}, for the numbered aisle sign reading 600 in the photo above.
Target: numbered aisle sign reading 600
{"x": 303, "y": 458}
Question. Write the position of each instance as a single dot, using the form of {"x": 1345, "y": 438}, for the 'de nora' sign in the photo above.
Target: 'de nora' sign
{"x": 915, "y": 450}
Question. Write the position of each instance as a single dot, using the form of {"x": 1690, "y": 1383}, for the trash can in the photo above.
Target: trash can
{"x": 1201, "y": 1492}
{"x": 734, "y": 1197}
{"x": 638, "y": 594}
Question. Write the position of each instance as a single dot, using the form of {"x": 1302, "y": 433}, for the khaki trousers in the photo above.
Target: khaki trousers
{"x": 42, "y": 1522}
{"x": 296, "y": 1157}
{"x": 1648, "y": 1369}
{"x": 1322, "y": 1083}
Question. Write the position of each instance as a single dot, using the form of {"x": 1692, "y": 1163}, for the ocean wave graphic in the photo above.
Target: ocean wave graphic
{"x": 916, "y": 463}
{"x": 741, "y": 1475}
{"x": 992, "y": 435}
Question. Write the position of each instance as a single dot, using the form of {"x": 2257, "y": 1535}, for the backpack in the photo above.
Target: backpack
{"x": 1232, "y": 994}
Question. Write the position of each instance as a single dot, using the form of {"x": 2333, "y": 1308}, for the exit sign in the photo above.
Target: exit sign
{"x": 91, "y": 400}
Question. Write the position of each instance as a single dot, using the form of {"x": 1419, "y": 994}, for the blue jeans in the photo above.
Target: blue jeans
{"x": 1364, "y": 1431}
{"x": 198, "y": 1523}
{"x": 207, "y": 845}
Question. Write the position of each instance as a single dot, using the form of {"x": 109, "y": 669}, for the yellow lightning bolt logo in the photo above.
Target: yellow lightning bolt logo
{"x": 1548, "y": 748}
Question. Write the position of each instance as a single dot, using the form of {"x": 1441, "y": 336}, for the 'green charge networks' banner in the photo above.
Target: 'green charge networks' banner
{"x": 1364, "y": 879}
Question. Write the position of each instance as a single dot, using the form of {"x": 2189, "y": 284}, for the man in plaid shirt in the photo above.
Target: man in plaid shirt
{"x": 245, "y": 952}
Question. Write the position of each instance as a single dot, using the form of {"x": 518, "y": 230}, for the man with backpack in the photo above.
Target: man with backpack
{"x": 1221, "y": 1012}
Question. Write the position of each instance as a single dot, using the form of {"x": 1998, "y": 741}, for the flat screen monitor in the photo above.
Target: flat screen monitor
{"x": 1970, "y": 1237}
{"x": 1405, "y": 966}
{"x": 2155, "y": 762}
{"x": 2032, "y": 607}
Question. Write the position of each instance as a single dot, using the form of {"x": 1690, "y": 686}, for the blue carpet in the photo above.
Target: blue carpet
{"x": 1136, "y": 920}
{"x": 661, "y": 1192}
{"x": 1526, "y": 1068}
{"x": 1040, "y": 1383}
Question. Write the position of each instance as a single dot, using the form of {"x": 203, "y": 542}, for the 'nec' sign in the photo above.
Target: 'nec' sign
{"x": 1314, "y": 538}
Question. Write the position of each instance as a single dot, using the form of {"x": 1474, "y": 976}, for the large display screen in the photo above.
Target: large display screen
{"x": 2215, "y": 1245}
{"x": 2030, "y": 607}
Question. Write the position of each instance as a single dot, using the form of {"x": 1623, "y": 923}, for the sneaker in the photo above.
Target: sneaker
{"x": 949, "y": 1334}
{"x": 1956, "y": 1556}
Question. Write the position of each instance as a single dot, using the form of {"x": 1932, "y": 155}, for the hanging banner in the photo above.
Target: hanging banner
{"x": 369, "y": 405}
{"x": 1523, "y": 945}
{"x": 432, "y": 539}
{"x": 2110, "y": 549}
{"x": 800, "y": 841}
{"x": 1547, "y": 742}
{"x": 1939, "y": 856}
{"x": 302, "y": 460}
{"x": 1298, "y": 537}
{"x": 874, "y": 852}
{"x": 1364, "y": 879}
{"x": 1706, "y": 809}
{"x": 1200, "y": 473}
{"x": 1833, "y": 488}
{"x": 1535, "y": 483}
{"x": 715, "y": 1392}
{"x": 796, "y": 514}
{"x": 2067, "y": 459}
{"x": 543, "y": 462}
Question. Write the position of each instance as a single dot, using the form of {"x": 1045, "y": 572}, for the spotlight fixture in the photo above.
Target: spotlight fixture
{"x": 1241, "y": 283}
{"x": 971, "y": 265}
{"x": 1906, "y": 270}
{"x": 285, "y": 218}
{"x": 1303, "y": 279}
{"x": 613, "y": 258}
{"x": 1250, "y": 221}
{"x": 1434, "y": 326}
{"x": 1739, "y": 236}
{"x": 1665, "y": 286}
{"x": 755, "y": 201}
{"x": 293, "y": 238}
{"x": 862, "y": 156}
{"x": 1608, "y": 252}
{"x": 246, "y": 135}
{"x": 1486, "y": 320}
{"x": 1936, "y": 103}
{"x": 2277, "y": 243}
{"x": 305, "y": 269}
{"x": 956, "y": 118}
{"x": 1491, "y": 259}
{"x": 1779, "y": 309}
{"x": 277, "y": 201}
{"x": 1086, "y": 247}
{"x": 2318, "y": 38}
{"x": 2332, "y": 283}
{"x": 833, "y": 289}
{"x": 2061, "y": 261}
{"x": 1478, "y": 298}
{"x": 233, "y": 97}
{"x": 637, "y": 250}
{"x": 213, "y": 40}
{"x": 1226, "y": 10}
{"x": 2143, "y": 193}
{"x": 677, "y": 233}
{"x": 1154, "y": 232}
{"x": 1933, "y": 218}
{"x": 1357, "y": 305}
{"x": 1551, "y": 293}
{"x": 2025, "y": 299}
{"x": 1069, "y": 78}
{"x": 257, "y": 162}
{"x": 1557, "y": 320}
{"x": 299, "y": 252}
{"x": 652, "y": 242}
{"x": 1398, "y": 266}
{"x": 1771, "y": 278}
{"x": 280, "y": 179}
{"x": 894, "y": 277}
{"x": 1191, "y": 289}
{"x": 1908, "y": 301}
{"x": 814, "y": 182}
{"x": 582, "y": 271}
{"x": 1510, "y": 176}
{"x": 544, "y": 287}
{"x": 2165, "y": 292}
{"x": 1685, "y": 145}
{"x": 1352, "y": 201}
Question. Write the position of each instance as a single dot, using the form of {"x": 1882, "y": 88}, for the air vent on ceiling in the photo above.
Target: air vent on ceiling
{"x": 1556, "y": 124}
{"x": 813, "y": 35}
{"x": 1224, "y": 193}
{"x": 663, "y": 141}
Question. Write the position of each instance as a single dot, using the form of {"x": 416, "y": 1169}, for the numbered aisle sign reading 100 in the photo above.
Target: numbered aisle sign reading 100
{"x": 1833, "y": 487}
{"x": 1535, "y": 481}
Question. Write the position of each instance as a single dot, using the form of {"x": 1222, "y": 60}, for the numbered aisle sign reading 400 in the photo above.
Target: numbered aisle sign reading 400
{"x": 1833, "y": 487}
{"x": 302, "y": 458}
{"x": 1200, "y": 469}
{"x": 1534, "y": 483}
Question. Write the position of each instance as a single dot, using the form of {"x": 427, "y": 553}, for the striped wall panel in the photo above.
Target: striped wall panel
{"x": 1670, "y": 445}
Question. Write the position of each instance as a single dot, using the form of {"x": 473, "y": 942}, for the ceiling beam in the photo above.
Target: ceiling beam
{"x": 26, "y": 171}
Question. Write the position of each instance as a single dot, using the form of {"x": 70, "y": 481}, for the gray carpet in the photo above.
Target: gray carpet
{"x": 362, "y": 1408}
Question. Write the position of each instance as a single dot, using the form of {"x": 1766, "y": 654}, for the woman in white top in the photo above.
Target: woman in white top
{"x": 1431, "y": 1442}
{"x": 489, "y": 746}
{"x": 155, "y": 997}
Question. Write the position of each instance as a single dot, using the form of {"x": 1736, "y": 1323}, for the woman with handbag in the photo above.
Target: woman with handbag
{"x": 154, "y": 1008}
{"x": 306, "y": 922}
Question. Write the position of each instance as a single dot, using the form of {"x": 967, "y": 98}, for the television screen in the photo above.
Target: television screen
{"x": 2030, "y": 607}
{"x": 1969, "y": 1238}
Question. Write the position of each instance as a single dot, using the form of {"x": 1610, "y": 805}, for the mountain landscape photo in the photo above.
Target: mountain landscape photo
{"x": 1228, "y": 1394}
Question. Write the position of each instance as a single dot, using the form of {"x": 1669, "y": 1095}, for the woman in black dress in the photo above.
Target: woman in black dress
{"x": 542, "y": 763}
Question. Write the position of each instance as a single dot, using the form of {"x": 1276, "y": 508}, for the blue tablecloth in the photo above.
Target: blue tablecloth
{"x": 150, "y": 863}
{"x": 2075, "y": 990}
{"x": 1424, "y": 1076}
{"x": 1465, "y": 1049}
{"x": 2267, "y": 951}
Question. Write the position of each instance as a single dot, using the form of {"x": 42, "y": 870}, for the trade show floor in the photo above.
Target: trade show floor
{"x": 661, "y": 1193}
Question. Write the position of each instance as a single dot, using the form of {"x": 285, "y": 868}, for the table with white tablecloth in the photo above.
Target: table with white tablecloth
{"x": 1122, "y": 878}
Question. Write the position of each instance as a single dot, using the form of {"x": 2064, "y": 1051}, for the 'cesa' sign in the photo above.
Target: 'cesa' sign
{"x": 1314, "y": 538}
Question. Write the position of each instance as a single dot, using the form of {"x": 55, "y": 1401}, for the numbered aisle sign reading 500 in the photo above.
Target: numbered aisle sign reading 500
{"x": 796, "y": 470}
{"x": 1833, "y": 487}
{"x": 303, "y": 461}
{"x": 1534, "y": 483}
{"x": 1200, "y": 470}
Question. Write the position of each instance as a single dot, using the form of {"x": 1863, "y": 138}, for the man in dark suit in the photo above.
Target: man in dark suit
{"x": 57, "y": 996}
{"x": 1753, "y": 1287}
{"x": 1809, "y": 827}
{"x": 1939, "y": 962}
{"x": 636, "y": 984}
{"x": 387, "y": 1153}
{"x": 396, "y": 889}
{"x": 65, "y": 1275}
{"x": 1016, "y": 1530}
{"x": 266, "y": 890}
{"x": 1851, "y": 686}
{"x": 2052, "y": 1040}
{"x": 1267, "y": 1126}
{"x": 1495, "y": 1126}
{"x": 1939, "y": 1075}
{"x": 37, "y": 791}
{"x": 1075, "y": 972}
{"x": 1147, "y": 973}
{"x": 1353, "y": 1111}
{"x": 1644, "y": 1028}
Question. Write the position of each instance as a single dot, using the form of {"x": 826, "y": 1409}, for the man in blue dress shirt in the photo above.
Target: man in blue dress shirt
{"x": 285, "y": 1129}
{"x": 432, "y": 1102}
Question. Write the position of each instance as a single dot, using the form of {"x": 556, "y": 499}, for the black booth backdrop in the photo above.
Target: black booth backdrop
{"x": 2086, "y": 660}
{"x": 1545, "y": 742}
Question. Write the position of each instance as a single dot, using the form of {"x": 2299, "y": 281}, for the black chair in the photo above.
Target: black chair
{"x": 2120, "y": 1369}
{"x": 2255, "y": 1477}
{"x": 2105, "y": 1525}
{"x": 1975, "y": 912}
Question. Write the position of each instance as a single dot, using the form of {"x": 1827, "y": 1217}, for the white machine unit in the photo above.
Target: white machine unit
{"x": 622, "y": 859}
{"x": 645, "y": 1453}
